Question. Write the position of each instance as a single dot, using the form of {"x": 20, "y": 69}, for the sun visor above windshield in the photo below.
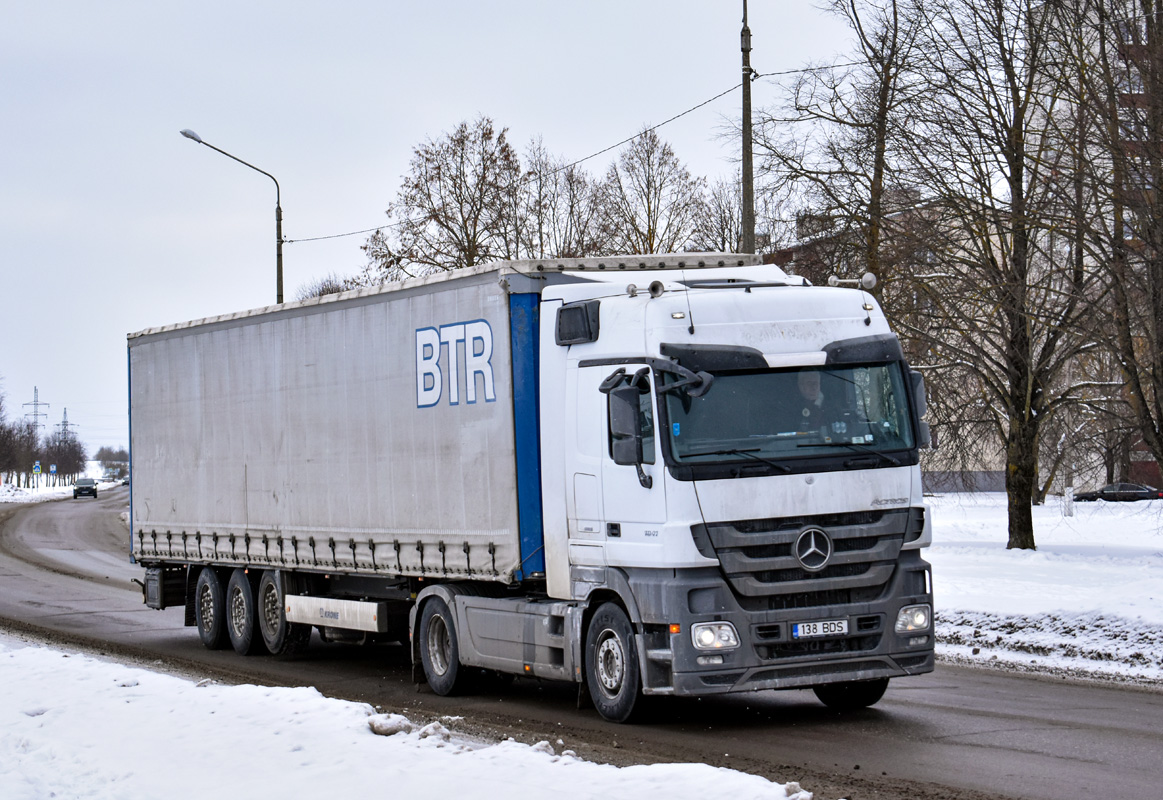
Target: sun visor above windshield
{"x": 714, "y": 358}
{"x": 865, "y": 350}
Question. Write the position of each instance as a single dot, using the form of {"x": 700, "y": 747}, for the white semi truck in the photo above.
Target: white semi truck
{"x": 652, "y": 475}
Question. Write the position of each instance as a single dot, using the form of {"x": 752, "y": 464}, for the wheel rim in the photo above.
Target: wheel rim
{"x": 611, "y": 662}
{"x": 237, "y": 613}
{"x": 439, "y": 645}
{"x": 271, "y": 607}
{"x": 206, "y": 606}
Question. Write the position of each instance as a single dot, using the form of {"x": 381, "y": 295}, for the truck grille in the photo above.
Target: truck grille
{"x": 757, "y": 558}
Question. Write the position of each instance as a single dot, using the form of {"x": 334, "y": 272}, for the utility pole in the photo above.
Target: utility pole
{"x": 36, "y": 413}
{"x": 65, "y": 425}
{"x": 748, "y": 178}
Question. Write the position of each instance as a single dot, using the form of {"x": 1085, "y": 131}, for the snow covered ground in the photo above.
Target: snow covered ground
{"x": 77, "y": 727}
{"x": 11, "y": 494}
{"x": 1088, "y": 602}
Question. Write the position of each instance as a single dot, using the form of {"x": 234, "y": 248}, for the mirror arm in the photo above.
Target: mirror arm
{"x": 643, "y": 478}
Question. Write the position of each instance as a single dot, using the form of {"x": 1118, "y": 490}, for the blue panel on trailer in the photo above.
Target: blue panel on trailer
{"x": 129, "y": 378}
{"x": 524, "y": 339}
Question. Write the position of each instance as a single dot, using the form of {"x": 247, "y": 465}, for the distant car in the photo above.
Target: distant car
{"x": 125, "y": 481}
{"x": 85, "y": 486}
{"x": 1121, "y": 492}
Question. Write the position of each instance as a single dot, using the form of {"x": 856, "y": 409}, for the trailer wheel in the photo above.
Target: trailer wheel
{"x": 210, "y": 609}
{"x": 439, "y": 653}
{"x": 242, "y": 614}
{"x": 612, "y": 664}
{"x": 279, "y": 636}
{"x": 851, "y": 696}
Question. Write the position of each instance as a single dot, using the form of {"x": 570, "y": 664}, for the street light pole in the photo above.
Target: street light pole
{"x": 748, "y": 188}
{"x": 189, "y": 134}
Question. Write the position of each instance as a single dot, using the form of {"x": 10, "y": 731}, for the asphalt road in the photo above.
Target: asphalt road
{"x": 957, "y": 733}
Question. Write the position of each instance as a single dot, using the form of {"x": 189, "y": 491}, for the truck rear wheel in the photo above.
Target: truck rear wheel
{"x": 851, "y": 696}
{"x": 210, "y": 609}
{"x": 439, "y": 653}
{"x": 279, "y": 636}
{"x": 612, "y": 673}
{"x": 241, "y": 614}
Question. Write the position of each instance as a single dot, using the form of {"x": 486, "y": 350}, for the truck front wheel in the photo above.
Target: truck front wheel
{"x": 612, "y": 664}
{"x": 209, "y": 609}
{"x": 279, "y": 636}
{"x": 439, "y": 653}
{"x": 241, "y": 614}
{"x": 851, "y": 696}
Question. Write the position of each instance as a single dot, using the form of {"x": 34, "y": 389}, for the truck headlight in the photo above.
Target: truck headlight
{"x": 714, "y": 636}
{"x": 913, "y": 618}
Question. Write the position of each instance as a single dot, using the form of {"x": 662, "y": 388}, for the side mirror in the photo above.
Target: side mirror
{"x": 624, "y": 425}
{"x": 919, "y": 401}
{"x": 925, "y": 436}
{"x": 626, "y": 429}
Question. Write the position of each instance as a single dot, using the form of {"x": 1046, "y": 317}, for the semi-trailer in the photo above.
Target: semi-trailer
{"x": 682, "y": 474}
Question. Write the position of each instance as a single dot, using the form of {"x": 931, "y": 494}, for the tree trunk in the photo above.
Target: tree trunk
{"x": 1021, "y": 466}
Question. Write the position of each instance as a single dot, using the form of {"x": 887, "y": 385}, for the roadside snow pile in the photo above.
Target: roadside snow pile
{"x": 13, "y": 494}
{"x": 1088, "y": 602}
{"x": 75, "y": 726}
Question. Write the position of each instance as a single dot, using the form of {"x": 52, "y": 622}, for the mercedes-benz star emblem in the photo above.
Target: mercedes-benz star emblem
{"x": 813, "y": 549}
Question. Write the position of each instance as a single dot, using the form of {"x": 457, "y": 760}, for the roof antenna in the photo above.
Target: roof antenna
{"x": 690, "y": 316}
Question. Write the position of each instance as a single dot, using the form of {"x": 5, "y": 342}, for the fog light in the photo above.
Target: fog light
{"x": 707, "y": 661}
{"x": 917, "y": 641}
{"x": 714, "y": 635}
{"x": 913, "y": 618}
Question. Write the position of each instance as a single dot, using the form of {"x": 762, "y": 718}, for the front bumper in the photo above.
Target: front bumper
{"x": 768, "y": 656}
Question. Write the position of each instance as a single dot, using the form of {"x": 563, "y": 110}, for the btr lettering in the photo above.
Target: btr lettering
{"x": 446, "y": 353}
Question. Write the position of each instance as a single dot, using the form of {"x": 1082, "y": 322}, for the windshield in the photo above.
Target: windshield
{"x": 773, "y": 415}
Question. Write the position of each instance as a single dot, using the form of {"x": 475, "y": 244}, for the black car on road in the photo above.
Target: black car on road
{"x": 1122, "y": 492}
{"x": 85, "y": 486}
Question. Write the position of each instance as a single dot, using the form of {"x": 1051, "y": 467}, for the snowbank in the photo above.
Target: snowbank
{"x": 75, "y": 726}
{"x": 1088, "y": 601}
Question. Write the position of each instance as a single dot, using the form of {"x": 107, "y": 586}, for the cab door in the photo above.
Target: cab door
{"x": 633, "y": 502}
{"x": 583, "y": 473}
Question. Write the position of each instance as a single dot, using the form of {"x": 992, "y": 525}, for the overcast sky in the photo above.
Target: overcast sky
{"x": 111, "y": 222}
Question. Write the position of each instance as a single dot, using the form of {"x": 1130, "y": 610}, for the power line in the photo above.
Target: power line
{"x": 755, "y": 76}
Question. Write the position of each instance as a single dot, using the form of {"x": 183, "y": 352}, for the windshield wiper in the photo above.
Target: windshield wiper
{"x": 748, "y": 453}
{"x": 859, "y": 448}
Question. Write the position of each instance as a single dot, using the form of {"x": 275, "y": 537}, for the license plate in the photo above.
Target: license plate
{"x": 824, "y": 627}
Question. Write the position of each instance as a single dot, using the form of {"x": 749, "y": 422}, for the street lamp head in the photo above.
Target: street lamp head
{"x": 189, "y": 134}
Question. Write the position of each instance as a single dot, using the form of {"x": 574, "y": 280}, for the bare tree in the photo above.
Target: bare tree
{"x": 719, "y": 228}
{"x": 832, "y": 145}
{"x": 649, "y": 200}
{"x": 455, "y": 208}
{"x": 562, "y": 207}
{"x": 328, "y": 284}
{"x": 1119, "y": 63}
{"x": 1005, "y": 310}
{"x": 68, "y": 454}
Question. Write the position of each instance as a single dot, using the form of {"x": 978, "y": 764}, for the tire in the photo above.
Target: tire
{"x": 241, "y": 616}
{"x": 210, "y": 609}
{"x": 439, "y": 652}
{"x": 612, "y": 673}
{"x": 851, "y": 696}
{"x": 281, "y": 638}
